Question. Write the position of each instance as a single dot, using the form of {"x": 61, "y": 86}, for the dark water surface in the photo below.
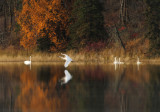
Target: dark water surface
{"x": 93, "y": 88}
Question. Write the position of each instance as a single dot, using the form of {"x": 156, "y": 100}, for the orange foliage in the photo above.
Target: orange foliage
{"x": 36, "y": 16}
{"x": 38, "y": 97}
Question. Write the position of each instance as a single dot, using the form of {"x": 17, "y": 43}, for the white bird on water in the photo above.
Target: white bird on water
{"x": 120, "y": 62}
{"x": 28, "y": 62}
{"x": 67, "y": 58}
{"x": 66, "y": 78}
{"x": 138, "y": 62}
{"x": 115, "y": 61}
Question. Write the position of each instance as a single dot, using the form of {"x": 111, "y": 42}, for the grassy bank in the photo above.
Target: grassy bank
{"x": 104, "y": 56}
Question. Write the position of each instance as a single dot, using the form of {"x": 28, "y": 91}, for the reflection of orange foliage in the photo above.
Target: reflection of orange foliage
{"x": 34, "y": 97}
{"x": 36, "y": 15}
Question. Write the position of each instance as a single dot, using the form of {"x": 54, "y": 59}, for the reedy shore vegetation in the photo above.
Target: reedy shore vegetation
{"x": 105, "y": 56}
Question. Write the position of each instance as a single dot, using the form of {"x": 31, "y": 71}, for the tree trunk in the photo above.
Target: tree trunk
{"x": 5, "y": 18}
{"x": 11, "y": 13}
{"x": 119, "y": 38}
{"x": 123, "y": 11}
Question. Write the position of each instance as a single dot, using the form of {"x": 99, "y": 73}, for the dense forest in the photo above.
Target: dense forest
{"x": 88, "y": 25}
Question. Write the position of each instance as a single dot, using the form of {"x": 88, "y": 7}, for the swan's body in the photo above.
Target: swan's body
{"x": 67, "y": 58}
{"x": 120, "y": 62}
{"x": 66, "y": 78}
{"x": 115, "y": 61}
{"x": 138, "y": 62}
{"x": 28, "y": 62}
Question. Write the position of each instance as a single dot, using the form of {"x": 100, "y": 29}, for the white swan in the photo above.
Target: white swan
{"x": 138, "y": 62}
{"x": 120, "y": 62}
{"x": 115, "y": 61}
{"x": 66, "y": 78}
{"x": 67, "y": 58}
{"x": 28, "y": 62}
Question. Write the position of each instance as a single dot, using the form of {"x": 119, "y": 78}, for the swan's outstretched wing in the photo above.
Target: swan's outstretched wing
{"x": 62, "y": 58}
{"x": 67, "y": 76}
{"x": 67, "y": 63}
{"x": 68, "y": 58}
{"x": 64, "y": 54}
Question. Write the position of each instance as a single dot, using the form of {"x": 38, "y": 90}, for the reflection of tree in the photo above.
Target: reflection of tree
{"x": 91, "y": 89}
{"x": 154, "y": 89}
{"x": 96, "y": 92}
{"x": 44, "y": 74}
{"x": 130, "y": 94}
{"x": 88, "y": 86}
{"x": 119, "y": 80}
{"x": 9, "y": 86}
{"x": 121, "y": 92}
{"x": 37, "y": 96}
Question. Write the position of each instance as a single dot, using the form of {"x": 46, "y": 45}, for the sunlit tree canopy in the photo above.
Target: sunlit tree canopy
{"x": 42, "y": 18}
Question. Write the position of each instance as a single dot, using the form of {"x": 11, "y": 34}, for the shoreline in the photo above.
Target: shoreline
{"x": 144, "y": 61}
{"x": 105, "y": 56}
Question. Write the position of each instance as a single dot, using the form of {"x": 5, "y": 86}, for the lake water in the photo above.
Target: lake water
{"x": 92, "y": 88}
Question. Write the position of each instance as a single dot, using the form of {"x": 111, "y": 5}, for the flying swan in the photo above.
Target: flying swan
{"x": 67, "y": 58}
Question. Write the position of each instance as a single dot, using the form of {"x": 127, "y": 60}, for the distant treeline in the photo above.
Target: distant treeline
{"x": 56, "y": 25}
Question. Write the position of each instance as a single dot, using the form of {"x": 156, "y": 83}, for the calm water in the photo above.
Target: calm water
{"x": 93, "y": 88}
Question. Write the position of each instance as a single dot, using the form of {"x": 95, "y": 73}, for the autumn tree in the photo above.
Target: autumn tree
{"x": 40, "y": 19}
{"x": 87, "y": 23}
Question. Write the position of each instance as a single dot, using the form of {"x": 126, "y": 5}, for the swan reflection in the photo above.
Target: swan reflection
{"x": 66, "y": 78}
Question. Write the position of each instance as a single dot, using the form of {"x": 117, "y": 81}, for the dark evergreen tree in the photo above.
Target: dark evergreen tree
{"x": 153, "y": 23}
{"x": 87, "y": 23}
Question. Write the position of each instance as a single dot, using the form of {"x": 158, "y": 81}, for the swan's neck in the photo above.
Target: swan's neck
{"x": 30, "y": 58}
{"x": 115, "y": 59}
{"x": 138, "y": 60}
{"x": 119, "y": 59}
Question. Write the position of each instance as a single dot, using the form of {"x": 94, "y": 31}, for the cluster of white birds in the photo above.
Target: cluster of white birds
{"x": 119, "y": 62}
